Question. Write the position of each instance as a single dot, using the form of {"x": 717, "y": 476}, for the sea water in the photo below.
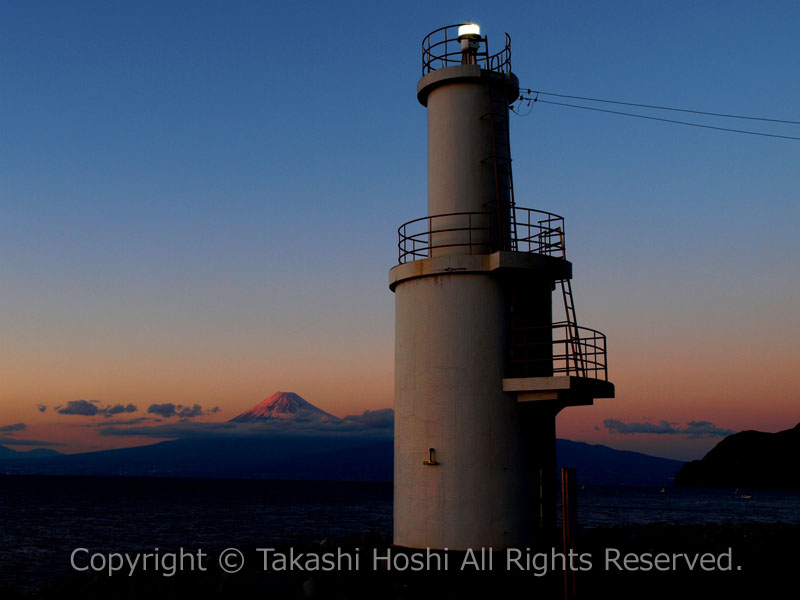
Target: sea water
{"x": 43, "y": 519}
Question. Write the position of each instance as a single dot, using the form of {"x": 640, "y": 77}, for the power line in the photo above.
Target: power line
{"x": 686, "y": 110}
{"x": 616, "y": 112}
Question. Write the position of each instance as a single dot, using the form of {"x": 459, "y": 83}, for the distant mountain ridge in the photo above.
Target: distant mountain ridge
{"x": 748, "y": 459}
{"x": 319, "y": 457}
{"x": 283, "y": 406}
{"x": 287, "y": 437}
{"x": 6, "y": 452}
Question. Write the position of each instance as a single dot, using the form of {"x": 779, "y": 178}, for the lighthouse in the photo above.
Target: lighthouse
{"x": 481, "y": 367}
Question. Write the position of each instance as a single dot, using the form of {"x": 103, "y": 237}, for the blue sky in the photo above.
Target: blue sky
{"x": 200, "y": 201}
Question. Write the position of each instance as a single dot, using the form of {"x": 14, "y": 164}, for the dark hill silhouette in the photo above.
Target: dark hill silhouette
{"x": 332, "y": 457}
{"x": 8, "y": 453}
{"x": 748, "y": 459}
{"x": 600, "y": 465}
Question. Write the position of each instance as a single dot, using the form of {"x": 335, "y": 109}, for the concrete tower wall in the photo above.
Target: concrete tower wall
{"x": 467, "y": 146}
{"x": 460, "y": 178}
{"x": 450, "y": 349}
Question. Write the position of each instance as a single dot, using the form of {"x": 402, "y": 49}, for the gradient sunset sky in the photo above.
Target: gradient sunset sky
{"x": 200, "y": 203}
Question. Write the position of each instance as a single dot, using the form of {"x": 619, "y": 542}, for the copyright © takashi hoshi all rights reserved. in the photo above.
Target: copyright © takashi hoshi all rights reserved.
{"x": 233, "y": 560}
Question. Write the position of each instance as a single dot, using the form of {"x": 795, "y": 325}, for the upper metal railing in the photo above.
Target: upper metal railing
{"x": 529, "y": 230}
{"x": 577, "y": 351}
{"x": 442, "y": 48}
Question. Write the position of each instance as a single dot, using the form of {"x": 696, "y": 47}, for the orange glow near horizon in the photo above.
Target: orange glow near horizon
{"x": 725, "y": 393}
{"x": 344, "y": 370}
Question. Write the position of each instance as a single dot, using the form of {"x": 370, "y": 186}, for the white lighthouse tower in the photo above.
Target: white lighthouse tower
{"x": 481, "y": 369}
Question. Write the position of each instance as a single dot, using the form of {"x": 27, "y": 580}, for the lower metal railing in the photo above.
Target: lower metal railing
{"x": 561, "y": 349}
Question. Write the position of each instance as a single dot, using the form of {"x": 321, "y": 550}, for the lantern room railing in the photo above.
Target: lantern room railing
{"x": 442, "y": 48}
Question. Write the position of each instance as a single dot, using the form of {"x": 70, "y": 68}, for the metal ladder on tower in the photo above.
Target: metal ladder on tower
{"x": 573, "y": 337}
{"x": 503, "y": 179}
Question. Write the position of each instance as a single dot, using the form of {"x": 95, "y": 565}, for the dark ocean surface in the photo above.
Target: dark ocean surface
{"x": 44, "y": 518}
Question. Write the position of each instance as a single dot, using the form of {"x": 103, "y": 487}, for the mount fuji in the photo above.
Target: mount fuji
{"x": 284, "y": 406}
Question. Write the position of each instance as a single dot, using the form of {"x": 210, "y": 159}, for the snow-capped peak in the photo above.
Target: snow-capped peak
{"x": 285, "y": 406}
